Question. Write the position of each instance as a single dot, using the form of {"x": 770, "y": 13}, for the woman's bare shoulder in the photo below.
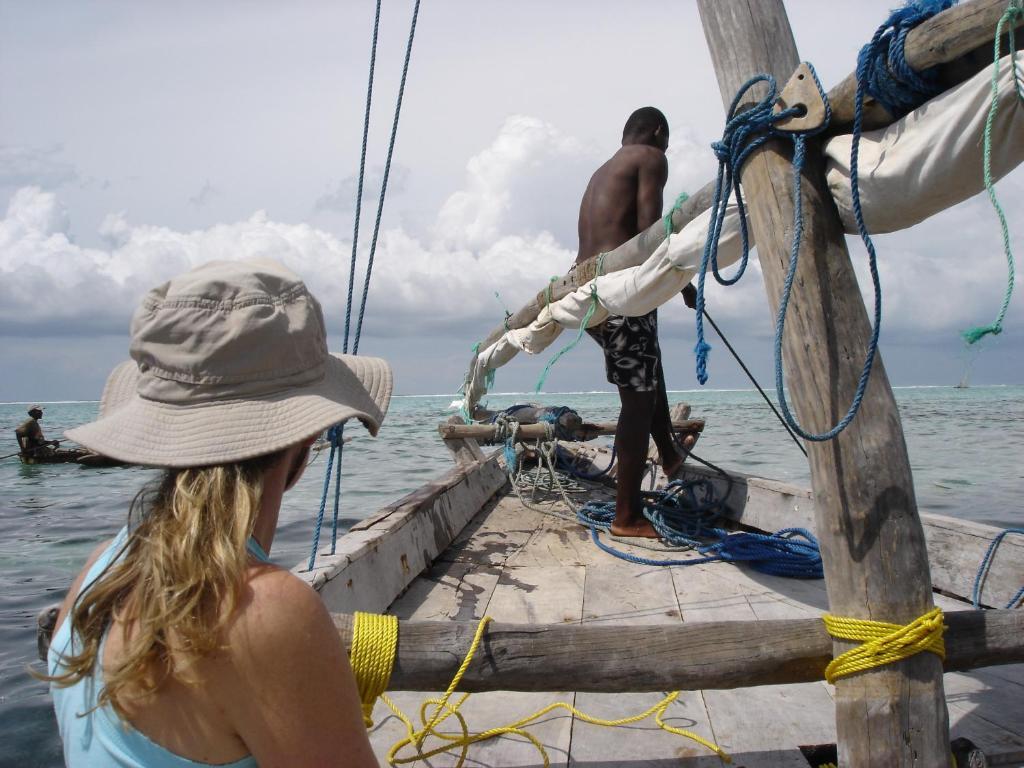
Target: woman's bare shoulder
{"x": 278, "y": 610}
{"x": 76, "y": 585}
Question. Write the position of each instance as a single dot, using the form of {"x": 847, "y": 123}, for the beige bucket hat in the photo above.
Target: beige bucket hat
{"x": 230, "y": 361}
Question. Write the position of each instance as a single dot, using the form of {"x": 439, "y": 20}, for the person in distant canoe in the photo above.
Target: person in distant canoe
{"x": 180, "y": 644}
{"x": 31, "y": 439}
{"x": 623, "y": 198}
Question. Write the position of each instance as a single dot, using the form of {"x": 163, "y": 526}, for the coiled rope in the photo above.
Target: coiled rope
{"x": 374, "y": 644}
{"x": 986, "y": 564}
{"x": 882, "y": 642}
{"x": 686, "y": 514}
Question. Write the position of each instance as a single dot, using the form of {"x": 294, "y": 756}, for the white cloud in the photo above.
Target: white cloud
{"x": 506, "y": 231}
{"x": 529, "y": 180}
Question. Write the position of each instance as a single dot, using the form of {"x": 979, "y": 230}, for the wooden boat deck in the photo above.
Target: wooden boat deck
{"x": 520, "y": 565}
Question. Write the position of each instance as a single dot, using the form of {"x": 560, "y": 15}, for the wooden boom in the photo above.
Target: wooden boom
{"x": 943, "y": 39}
{"x": 604, "y": 659}
{"x": 452, "y": 431}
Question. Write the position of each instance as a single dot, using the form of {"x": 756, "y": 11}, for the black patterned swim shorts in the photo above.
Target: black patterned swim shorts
{"x": 632, "y": 357}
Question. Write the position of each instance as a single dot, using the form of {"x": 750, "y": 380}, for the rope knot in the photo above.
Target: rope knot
{"x": 883, "y": 643}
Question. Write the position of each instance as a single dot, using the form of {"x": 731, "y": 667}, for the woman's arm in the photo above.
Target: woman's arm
{"x": 76, "y": 585}
{"x": 294, "y": 699}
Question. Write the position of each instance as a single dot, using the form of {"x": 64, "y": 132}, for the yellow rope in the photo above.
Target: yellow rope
{"x": 374, "y": 643}
{"x": 883, "y": 643}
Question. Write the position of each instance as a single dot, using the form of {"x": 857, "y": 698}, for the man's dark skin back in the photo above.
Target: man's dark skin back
{"x": 623, "y": 198}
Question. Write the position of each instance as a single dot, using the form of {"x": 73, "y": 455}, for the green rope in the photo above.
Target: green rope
{"x": 1015, "y": 8}
{"x": 583, "y": 324}
{"x": 547, "y": 291}
{"x": 667, "y": 220}
{"x": 574, "y": 342}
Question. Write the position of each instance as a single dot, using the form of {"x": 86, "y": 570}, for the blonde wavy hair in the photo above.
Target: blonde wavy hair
{"x": 177, "y": 582}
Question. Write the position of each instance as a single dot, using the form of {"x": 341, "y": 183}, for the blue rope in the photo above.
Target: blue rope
{"x": 335, "y": 434}
{"x": 986, "y": 561}
{"x": 387, "y": 173}
{"x": 882, "y": 65}
{"x": 744, "y": 132}
{"x": 882, "y": 71}
{"x": 362, "y": 170}
{"x": 683, "y": 517}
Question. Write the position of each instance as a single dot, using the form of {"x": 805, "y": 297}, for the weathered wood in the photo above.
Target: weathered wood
{"x": 450, "y": 431}
{"x": 872, "y": 542}
{"x": 466, "y": 451}
{"x": 801, "y": 91}
{"x": 943, "y": 39}
{"x": 688, "y": 656}
{"x": 379, "y": 557}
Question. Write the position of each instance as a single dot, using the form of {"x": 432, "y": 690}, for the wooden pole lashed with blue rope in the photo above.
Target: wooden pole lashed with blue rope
{"x": 872, "y": 541}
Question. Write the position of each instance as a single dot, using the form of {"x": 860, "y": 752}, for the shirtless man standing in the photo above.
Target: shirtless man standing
{"x": 623, "y": 198}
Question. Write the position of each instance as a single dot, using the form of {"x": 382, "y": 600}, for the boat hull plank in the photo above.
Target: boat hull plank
{"x": 381, "y": 556}
{"x": 494, "y": 538}
{"x": 448, "y": 591}
{"x": 748, "y": 722}
{"x": 623, "y": 593}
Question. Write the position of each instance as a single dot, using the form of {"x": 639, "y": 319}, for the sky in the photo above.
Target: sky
{"x": 139, "y": 139}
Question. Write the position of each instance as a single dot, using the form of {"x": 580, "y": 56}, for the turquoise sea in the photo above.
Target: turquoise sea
{"x": 965, "y": 446}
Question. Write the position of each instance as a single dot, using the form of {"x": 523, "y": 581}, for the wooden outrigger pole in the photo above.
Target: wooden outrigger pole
{"x": 872, "y": 541}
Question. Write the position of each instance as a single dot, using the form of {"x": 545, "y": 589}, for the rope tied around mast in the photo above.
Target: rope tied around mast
{"x": 883, "y": 643}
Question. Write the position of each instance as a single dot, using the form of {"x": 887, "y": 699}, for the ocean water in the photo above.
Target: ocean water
{"x": 965, "y": 448}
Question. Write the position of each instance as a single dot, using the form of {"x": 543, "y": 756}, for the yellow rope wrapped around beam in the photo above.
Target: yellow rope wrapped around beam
{"x": 374, "y": 644}
{"x": 882, "y": 642}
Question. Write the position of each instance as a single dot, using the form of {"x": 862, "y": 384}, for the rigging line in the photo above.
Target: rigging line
{"x": 754, "y": 381}
{"x": 362, "y": 172}
{"x": 387, "y": 172}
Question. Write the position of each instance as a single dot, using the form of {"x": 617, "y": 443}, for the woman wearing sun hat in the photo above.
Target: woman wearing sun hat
{"x": 179, "y": 644}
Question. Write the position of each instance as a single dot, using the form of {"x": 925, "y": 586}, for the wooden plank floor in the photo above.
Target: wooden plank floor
{"x": 518, "y": 564}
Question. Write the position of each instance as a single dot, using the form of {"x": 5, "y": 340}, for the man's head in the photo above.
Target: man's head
{"x": 646, "y": 126}
{"x": 36, "y": 412}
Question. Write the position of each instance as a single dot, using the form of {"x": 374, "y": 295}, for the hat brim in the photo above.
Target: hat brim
{"x": 139, "y": 431}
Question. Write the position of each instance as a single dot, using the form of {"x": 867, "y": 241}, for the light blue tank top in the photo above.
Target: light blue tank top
{"x": 99, "y": 737}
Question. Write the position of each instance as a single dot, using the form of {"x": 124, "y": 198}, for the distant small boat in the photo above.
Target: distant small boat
{"x": 71, "y": 456}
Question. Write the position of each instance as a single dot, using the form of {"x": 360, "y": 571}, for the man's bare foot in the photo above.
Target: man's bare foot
{"x": 643, "y": 528}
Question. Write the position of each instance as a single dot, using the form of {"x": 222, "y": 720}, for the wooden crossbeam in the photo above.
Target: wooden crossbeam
{"x": 604, "y": 659}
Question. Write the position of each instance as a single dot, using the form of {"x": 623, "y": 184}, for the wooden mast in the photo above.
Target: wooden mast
{"x": 872, "y": 542}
